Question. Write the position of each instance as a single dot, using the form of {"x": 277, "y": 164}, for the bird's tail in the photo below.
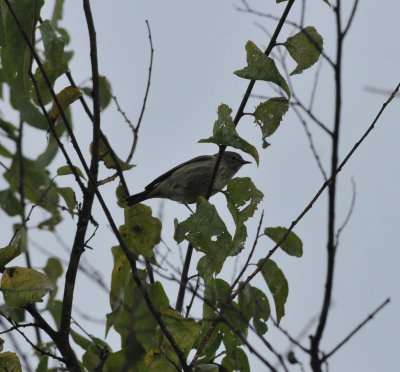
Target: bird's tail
{"x": 137, "y": 198}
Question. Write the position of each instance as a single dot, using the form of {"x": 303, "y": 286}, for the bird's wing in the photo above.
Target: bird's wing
{"x": 161, "y": 178}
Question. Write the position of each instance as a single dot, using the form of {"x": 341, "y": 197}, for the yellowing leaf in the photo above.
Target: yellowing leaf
{"x": 21, "y": 286}
{"x": 67, "y": 96}
{"x": 9, "y": 362}
{"x": 105, "y": 156}
{"x": 141, "y": 231}
{"x": 10, "y": 252}
{"x": 66, "y": 169}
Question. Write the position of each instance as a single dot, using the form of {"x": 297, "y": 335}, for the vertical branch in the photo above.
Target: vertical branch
{"x": 85, "y": 212}
{"x": 316, "y": 361}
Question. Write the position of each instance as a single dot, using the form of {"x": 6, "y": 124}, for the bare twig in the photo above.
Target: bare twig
{"x": 349, "y": 212}
{"x": 194, "y": 292}
{"x": 251, "y": 252}
{"x": 331, "y": 244}
{"x": 351, "y": 18}
{"x": 311, "y": 142}
{"x": 352, "y": 333}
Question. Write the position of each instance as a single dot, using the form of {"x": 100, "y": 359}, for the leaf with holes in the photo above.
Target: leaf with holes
{"x": 224, "y": 133}
{"x": 207, "y": 232}
{"x": 261, "y": 67}
{"x": 305, "y": 48}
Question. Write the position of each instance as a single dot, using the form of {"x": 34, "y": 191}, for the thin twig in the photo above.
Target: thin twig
{"x": 311, "y": 143}
{"x": 315, "y": 340}
{"x": 352, "y": 333}
{"x": 194, "y": 292}
{"x": 351, "y": 18}
{"x": 251, "y": 252}
{"x": 349, "y": 212}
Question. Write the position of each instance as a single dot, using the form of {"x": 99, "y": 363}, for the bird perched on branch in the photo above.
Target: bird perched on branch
{"x": 189, "y": 180}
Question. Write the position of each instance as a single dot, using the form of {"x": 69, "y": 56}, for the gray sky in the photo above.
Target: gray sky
{"x": 197, "y": 47}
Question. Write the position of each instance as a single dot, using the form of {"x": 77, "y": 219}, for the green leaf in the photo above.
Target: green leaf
{"x": 44, "y": 159}
{"x": 21, "y": 286}
{"x": 54, "y": 65}
{"x": 277, "y": 284}
{"x": 68, "y": 195}
{"x": 146, "y": 331}
{"x": 15, "y": 55}
{"x": 184, "y": 330}
{"x": 34, "y": 176}
{"x": 104, "y": 90}
{"x": 253, "y": 303}
{"x": 55, "y": 309}
{"x": 43, "y": 364}
{"x": 224, "y": 133}
{"x": 305, "y": 48}
{"x": 116, "y": 362}
{"x": 141, "y": 231}
{"x": 29, "y": 113}
{"x": 269, "y": 114}
{"x": 243, "y": 198}
{"x": 207, "y": 232}
{"x": 156, "y": 362}
{"x": 57, "y": 12}
{"x": 207, "y": 368}
{"x": 52, "y": 72}
{"x": 9, "y": 203}
{"x": 261, "y": 67}
{"x": 105, "y": 156}
{"x": 53, "y": 269}
{"x": 9, "y": 129}
{"x": 80, "y": 340}
{"x": 9, "y": 362}
{"x": 53, "y": 44}
{"x": 236, "y": 361}
{"x": 8, "y": 253}
{"x": 17, "y": 314}
{"x": 66, "y": 169}
{"x": 292, "y": 245}
{"x": 5, "y": 152}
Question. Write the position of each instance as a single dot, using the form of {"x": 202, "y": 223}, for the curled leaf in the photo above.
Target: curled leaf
{"x": 224, "y": 133}
{"x": 305, "y": 48}
{"x": 261, "y": 67}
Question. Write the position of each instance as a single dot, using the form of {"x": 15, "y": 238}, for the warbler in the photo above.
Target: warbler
{"x": 189, "y": 180}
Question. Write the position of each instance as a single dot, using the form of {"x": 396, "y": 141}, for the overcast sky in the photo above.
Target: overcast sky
{"x": 197, "y": 47}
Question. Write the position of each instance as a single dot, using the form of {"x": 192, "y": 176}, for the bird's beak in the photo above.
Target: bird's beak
{"x": 246, "y": 162}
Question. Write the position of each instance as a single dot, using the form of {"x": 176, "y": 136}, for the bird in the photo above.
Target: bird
{"x": 191, "y": 179}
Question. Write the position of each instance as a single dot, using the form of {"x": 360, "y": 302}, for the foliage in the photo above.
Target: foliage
{"x": 154, "y": 336}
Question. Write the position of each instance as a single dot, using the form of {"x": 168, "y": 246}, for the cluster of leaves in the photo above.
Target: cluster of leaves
{"x": 144, "y": 345}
